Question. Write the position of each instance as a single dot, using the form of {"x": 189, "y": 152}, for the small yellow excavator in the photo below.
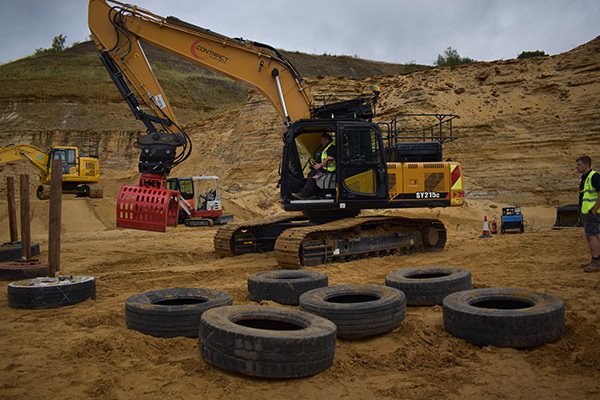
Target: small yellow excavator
{"x": 80, "y": 174}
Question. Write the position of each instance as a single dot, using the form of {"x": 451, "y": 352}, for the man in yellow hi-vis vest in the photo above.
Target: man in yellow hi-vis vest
{"x": 589, "y": 203}
{"x": 325, "y": 164}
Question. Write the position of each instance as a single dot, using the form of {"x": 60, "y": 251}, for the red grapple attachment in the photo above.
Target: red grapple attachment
{"x": 150, "y": 206}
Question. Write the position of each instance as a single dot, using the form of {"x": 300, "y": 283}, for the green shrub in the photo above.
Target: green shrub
{"x": 451, "y": 57}
{"x": 531, "y": 54}
{"x": 58, "y": 45}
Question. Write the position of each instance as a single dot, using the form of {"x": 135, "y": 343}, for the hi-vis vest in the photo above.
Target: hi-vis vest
{"x": 331, "y": 166}
{"x": 590, "y": 194}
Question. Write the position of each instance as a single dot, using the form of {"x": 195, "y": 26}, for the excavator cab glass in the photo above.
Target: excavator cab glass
{"x": 360, "y": 175}
{"x": 185, "y": 187}
{"x": 68, "y": 158}
{"x": 363, "y": 173}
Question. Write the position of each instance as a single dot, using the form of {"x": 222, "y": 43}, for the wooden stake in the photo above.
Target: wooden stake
{"x": 12, "y": 209}
{"x": 55, "y": 219}
{"x": 25, "y": 219}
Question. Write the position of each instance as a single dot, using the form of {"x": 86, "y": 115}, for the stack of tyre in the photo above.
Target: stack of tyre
{"x": 277, "y": 342}
{"x": 260, "y": 341}
{"x": 502, "y": 317}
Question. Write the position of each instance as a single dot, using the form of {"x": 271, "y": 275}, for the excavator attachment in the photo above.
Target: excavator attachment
{"x": 150, "y": 206}
{"x": 567, "y": 216}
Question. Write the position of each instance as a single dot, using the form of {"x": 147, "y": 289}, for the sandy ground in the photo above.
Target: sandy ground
{"x": 86, "y": 350}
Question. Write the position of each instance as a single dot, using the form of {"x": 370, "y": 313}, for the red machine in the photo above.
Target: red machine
{"x": 199, "y": 201}
{"x": 149, "y": 206}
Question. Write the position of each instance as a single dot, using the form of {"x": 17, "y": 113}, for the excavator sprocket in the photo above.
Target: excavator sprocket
{"x": 362, "y": 237}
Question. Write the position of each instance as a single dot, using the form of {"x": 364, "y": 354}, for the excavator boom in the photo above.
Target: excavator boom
{"x": 35, "y": 156}
{"x": 119, "y": 29}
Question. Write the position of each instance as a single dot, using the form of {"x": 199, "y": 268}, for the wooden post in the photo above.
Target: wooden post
{"x": 55, "y": 219}
{"x": 25, "y": 219}
{"x": 12, "y": 209}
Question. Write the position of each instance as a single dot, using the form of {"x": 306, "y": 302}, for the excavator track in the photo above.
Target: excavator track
{"x": 361, "y": 237}
{"x": 254, "y": 236}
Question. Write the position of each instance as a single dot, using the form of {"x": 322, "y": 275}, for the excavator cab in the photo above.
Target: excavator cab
{"x": 364, "y": 177}
{"x": 363, "y": 173}
{"x": 185, "y": 186}
{"x": 68, "y": 156}
{"x": 360, "y": 176}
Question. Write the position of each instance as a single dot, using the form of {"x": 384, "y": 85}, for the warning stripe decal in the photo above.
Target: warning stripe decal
{"x": 456, "y": 180}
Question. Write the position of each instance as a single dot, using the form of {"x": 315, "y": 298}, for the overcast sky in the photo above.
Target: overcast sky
{"x": 398, "y": 31}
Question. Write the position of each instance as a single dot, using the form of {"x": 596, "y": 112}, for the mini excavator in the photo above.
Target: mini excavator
{"x": 199, "y": 200}
{"x": 317, "y": 230}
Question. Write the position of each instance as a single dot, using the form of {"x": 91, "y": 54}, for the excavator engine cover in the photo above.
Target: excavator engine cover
{"x": 149, "y": 206}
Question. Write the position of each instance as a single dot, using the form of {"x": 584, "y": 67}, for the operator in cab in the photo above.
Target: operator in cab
{"x": 325, "y": 165}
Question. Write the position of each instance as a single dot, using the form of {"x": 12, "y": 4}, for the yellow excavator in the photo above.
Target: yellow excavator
{"x": 371, "y": 171}
{"x": 80, "y": 174}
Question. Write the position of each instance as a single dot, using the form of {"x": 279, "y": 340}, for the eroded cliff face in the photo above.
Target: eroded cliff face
{"x": 522, "y": 125}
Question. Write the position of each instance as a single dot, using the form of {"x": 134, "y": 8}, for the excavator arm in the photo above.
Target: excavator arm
{"x": 119, "y": 29}
{"x": 35, "y": 156}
